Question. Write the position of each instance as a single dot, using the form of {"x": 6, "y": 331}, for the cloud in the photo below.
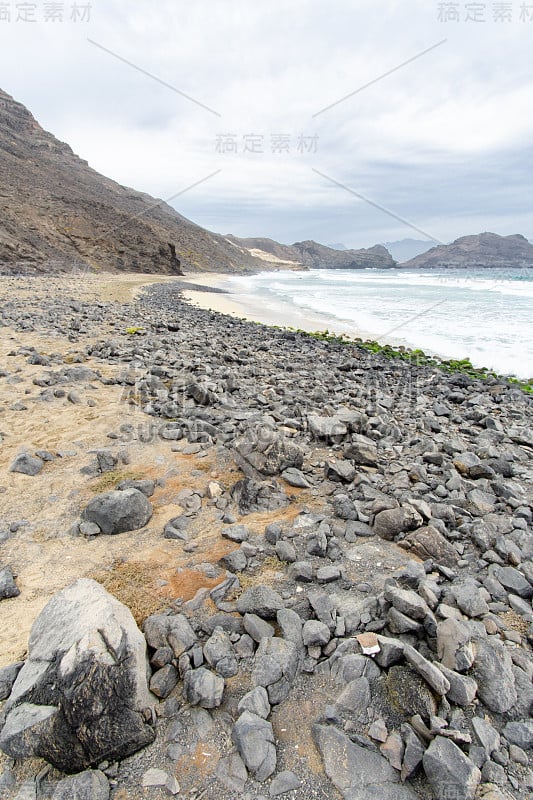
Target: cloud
{"x": 442, "y": 142}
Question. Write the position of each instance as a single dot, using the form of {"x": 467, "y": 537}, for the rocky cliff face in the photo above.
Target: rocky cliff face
{"x": 58, "y": 214}
{"x": 317, "y": 256}
{"x": 477, "y": 252}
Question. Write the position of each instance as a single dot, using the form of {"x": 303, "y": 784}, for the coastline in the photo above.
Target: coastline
{"x": 219, "y": 293}
{"x": 218, "y": 296}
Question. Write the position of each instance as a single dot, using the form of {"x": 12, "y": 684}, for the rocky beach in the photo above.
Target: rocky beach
{"x": 242, "y": 561}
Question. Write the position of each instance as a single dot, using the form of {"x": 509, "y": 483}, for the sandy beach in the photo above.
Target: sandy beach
{"x": 243, "y": 306}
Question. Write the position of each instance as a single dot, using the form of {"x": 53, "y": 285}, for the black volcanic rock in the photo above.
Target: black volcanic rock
{"x": 477, "y": 252}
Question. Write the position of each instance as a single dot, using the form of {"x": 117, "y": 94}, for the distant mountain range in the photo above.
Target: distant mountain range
{"x": 477, "y": 252}
{"x": 406, "y": 249}
{"x": 56, "y": 214}
{"x": 315, "y": 256}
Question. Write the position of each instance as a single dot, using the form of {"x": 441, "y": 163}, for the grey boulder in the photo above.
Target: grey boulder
{"x": 520, "y": 734}
{"x": 275, "y": 667}
{"x": 359, "y": 773}
{"x": 27, "y": 465}
{"x": 449, "y": 771}
{"x": 389, "y": 523}
{"x": 89, "y": 785}
{"x": 493, "y": 672}
{"x": 203, "y": 688}
{"x": 254, "y": 739}
{"x": 120, "y": 511}
{"x": 260, "y": 600}
{"x": 264, "y": 452}
{"x": 82, "y": 696}
{"x": 8, "y": 587}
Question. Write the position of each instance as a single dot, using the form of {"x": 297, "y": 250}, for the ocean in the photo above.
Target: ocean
{"x": 485, "y": 315}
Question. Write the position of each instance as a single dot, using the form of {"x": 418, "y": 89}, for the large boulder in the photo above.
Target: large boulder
{"x": 118, "y": 512}
{"x": 82, "y": 696}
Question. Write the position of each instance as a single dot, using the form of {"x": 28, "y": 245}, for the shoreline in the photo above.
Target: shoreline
{"x": 217, "y": 296}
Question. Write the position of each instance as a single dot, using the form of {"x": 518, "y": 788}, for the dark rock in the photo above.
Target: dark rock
{"x": 8, "y": 587}
{"x": 302, "y": 572}
{"x": 146, "y": 486}
{"x": 82, "y": 695}
{"x": 203, "y": 688}
{"x": 256, "y": 702}
{"x": 8, "y": 676}
{"x": 254, "y": 739}
{"x": 362, "y": 451}
{"x": 237, "y": 533}
{"x": 264, "y": 452}
{"x": 119, "y": 511}
{"x": 164, "y": 681}
{"x": 315, "y": 633}
{"x": 294, "y": 477}
{"x": 330, "y": 429}
{"x": 219, "y": 654}
{"x": 389, "y": 523}
{"x": 409, "y": 693}
{"x": 276, "y": 664}
{"x": 520, "y": 734}
{"x": 260, "y": 600}
{"x": 340, "y": 471}
{"x": 253, "y": 496}
{"x": 27, "y": 465}
{"x": 493, "y": 672}
{"x": 449, "y": 771}
{"x": 430, "y": 543}
{"x": 89, "y": 785}
{"x": 172, "y": 631}
{"x": 284, "y": 782}
{"x": 257, "y": 628}
{"x": 357, "y": 772}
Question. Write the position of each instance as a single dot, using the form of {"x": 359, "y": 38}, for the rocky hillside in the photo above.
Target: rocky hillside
{"x": 56, "y": 213}
{"x": 477, "y": 252}
{"x": 316, "y": 256}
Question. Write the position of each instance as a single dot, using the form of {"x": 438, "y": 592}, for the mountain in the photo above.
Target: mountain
{"x": 477, "y": 252}
{"x": 56, "y": 213}
{"x": 407, "y": 248}
{"x": 314, "y": 255}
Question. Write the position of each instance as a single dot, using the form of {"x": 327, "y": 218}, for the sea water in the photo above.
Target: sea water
{"x": 485, "y": 315}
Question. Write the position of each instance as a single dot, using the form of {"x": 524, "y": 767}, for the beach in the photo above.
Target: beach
{"x": 483, "y": 315}
{"x": 326, "y": 533}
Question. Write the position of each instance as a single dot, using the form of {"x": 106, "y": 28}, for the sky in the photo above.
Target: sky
{"x": 350, "y": 122}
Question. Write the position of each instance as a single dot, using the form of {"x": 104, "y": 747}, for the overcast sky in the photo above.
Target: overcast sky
{"x": 444, "y": 142}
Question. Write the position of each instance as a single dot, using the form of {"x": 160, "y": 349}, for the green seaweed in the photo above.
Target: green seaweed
{"x": 416, "y": 357}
